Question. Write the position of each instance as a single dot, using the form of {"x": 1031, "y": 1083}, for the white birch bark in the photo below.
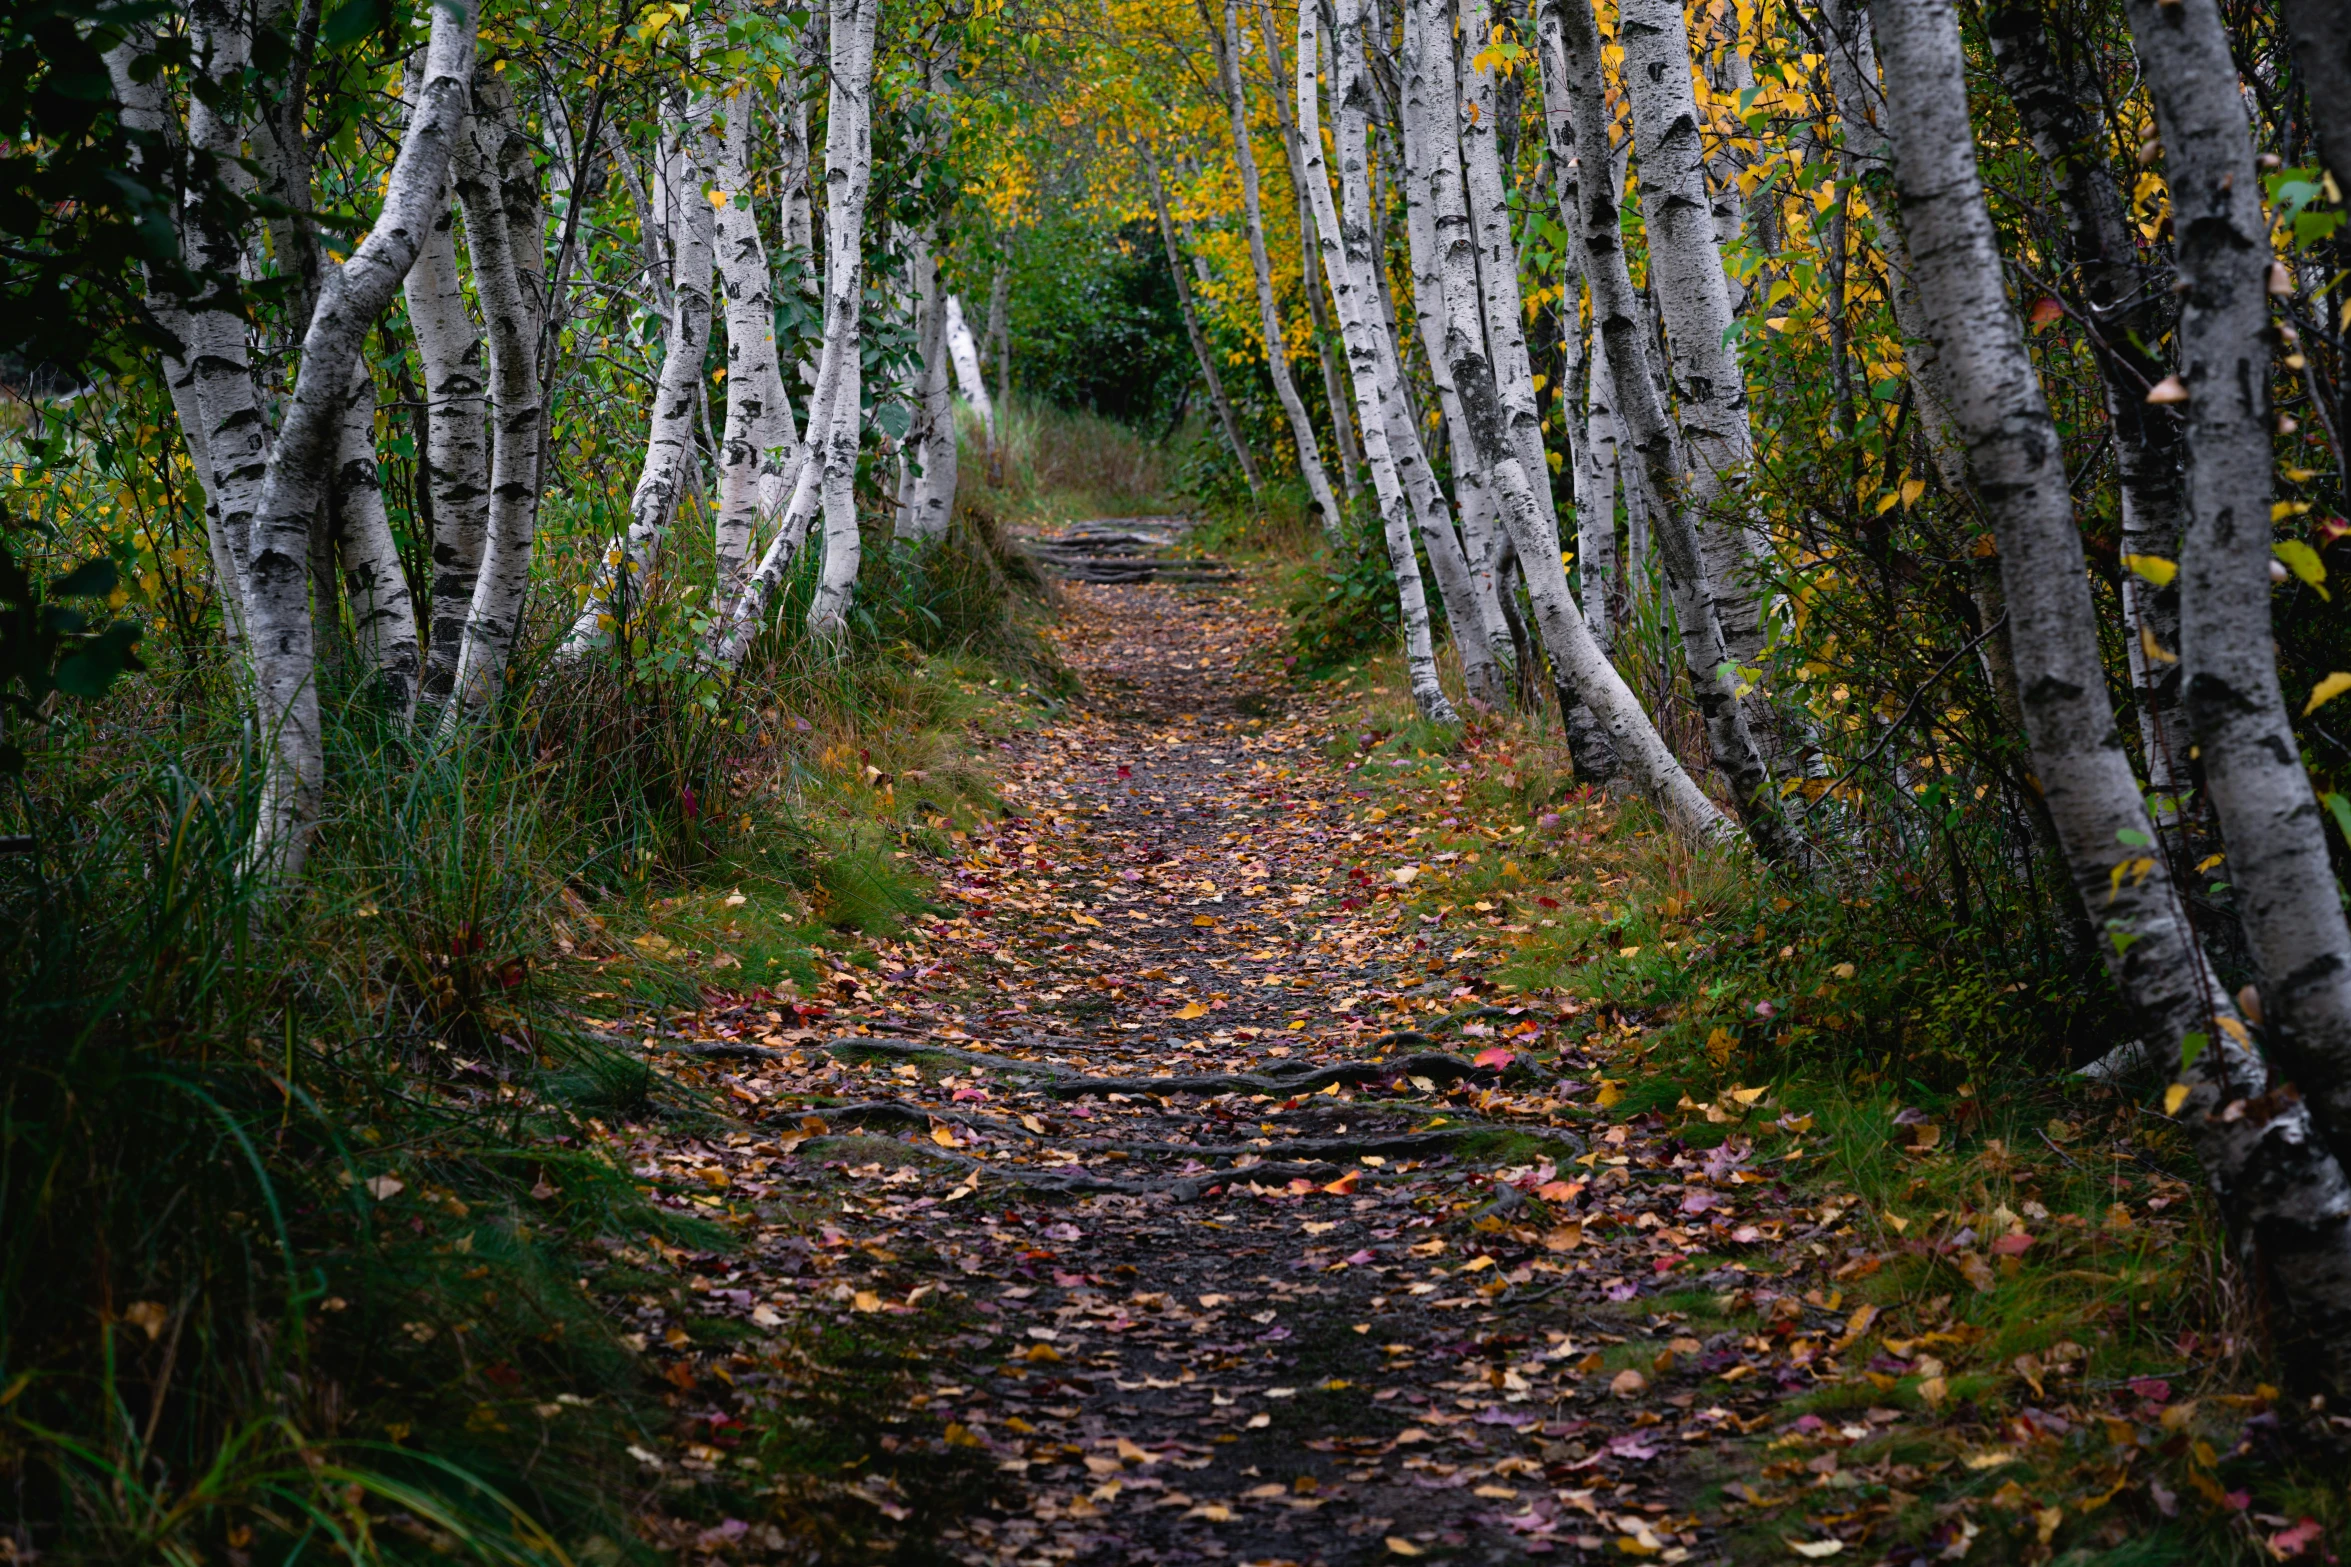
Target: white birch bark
{"x": 2278, "y": 866}
{"x": 927, "y": 490}
{"x": 277, "y": 577}
{"x": 759, "y": 438}
{"x": 2321, "y": 32}
{"x": 1570, "y": 38}
{"x": 1472, "y": 120}
{"x": 503, "y": 281}
{"x": 2280, "y": 1187}
{"x": 1479, "y": 615}
{"x": 383, "y": 614}
{"x": 1334, "y": 375}
{"x": 1347, "y": 260}
{"x": 971, "y": 377}
{"x": 834, "y": 378}
{"x": 669, "y": 444}
{"x": 848, "y": 178}
{"x": 1200, "y": 351}
{"x": 1269, "y": 313}
{"x": 236, "y": 434}
{"x": 1693, "y": 295}
{"x": 147, "y": 117}
{"x": 457, "y": 451}
{"x": 1596, "y": 501}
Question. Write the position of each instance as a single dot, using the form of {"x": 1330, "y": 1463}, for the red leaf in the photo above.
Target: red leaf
{"x": 2046, "y": 310}
{"x": 2011, "y": 1245}
{"x": 1494, "y": 1056}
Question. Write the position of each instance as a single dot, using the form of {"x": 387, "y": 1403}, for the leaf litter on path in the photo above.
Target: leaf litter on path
{"x": 1175, "y": 1286}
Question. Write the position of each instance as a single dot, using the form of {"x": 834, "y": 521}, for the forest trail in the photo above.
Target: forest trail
{"x": 1202, "y": 1241}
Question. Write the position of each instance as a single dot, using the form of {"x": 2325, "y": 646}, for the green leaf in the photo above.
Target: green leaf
{"x": 2132, "y": 836}
{"x": 2340, "y": 809}
{"x": 2303, "y": 562}
{"x": 351, "y": 21}
{"x": 2191, "y": 1046}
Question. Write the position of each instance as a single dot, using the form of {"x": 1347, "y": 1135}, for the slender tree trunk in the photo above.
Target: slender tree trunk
{"x": 456, "y": 450}
{"x": 1200, "y": 353}
{"x": 621, "y": 576}
{"x": 970, "y": 375}
{"x": 1526, "y": 511}
{"x": 928, "y": 500}
{"x": 2064, "y": 118}
{"x": 2277, "y": 853}
{"x": 1326, "y": 333}
{"x": 1693, "y": 295}
{"x": 277, "y": 578}
{"x": 1473, "y": 120}
{"x": 759, "y": 440}
{"x": 1571, "y": 56}
{"x": 1269, "y": 312}
{"x": 383, "y": 615}
{"x": 2282, "y": 1190}
{"x": 505, "y": 283}
{"x": 1346, "y": 261}
{"x": 1000, "y": 329}
{"x": 848, "y": 178}
{"x": 1596, "y": 505}
{"x": 2321, "y": 31}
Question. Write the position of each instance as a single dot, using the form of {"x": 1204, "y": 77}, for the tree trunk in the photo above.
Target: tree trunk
{"x": 456, "y": 452}
{"x": 1473, "y": 122}
{"x": 1326, "y": 334}
{"x": 2321, "y": 31}
{"x": 2281, "y": 1189}
{"x": 1571, "y": 56}
{"x": 383, "y": 616}
{"x": 1200, "y": 354}
{"x": 1693, "y": 295}
{"x": 927, "y": 498}
{"x": 2278, "y": 868}
{"x": 483, "y": 177}
{"x": 848, "y": 178}
{"x": 970, "y": 375}
{"x": 759, "y": 439}
{"x": 1269, "y": 313}
{"x": 669, "y": 443}
{"x": 2062, "y": 114}
{"x": 1346, "y": 260}
{"x": 277, "y": 578}
{"x": 1526, "y": 511}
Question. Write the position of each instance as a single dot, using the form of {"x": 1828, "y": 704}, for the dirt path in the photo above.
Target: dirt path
{"x": 1211, "y": 1255}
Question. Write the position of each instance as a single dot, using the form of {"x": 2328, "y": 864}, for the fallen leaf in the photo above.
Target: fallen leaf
{"x": 1817, "y": 1550}
{"x": 1401, "y": 1546}
{"x": 1567, "y": 1237}
{"x": 147, "y": 1315}
{"x": 383, "y": 1188}
{"x": 1628, "y": 1383}
{"x": 1193, "y": 1009}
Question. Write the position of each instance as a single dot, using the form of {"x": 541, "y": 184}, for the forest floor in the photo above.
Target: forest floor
{"x": 1185, "y": 1189}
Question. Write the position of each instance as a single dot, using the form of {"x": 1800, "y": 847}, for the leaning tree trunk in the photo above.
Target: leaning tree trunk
{"x": 1571, "y": 58}
{"x": 1693, "y": 294}
{"x": 1474, "y": 120}
{"x": 1334, "y": 381}
{"x": 669, "y": 442}
{"x": 971, "y": 376}
{"x": 504, "y": 282}
{"x": 1269, "y": 310}
{"x": 1526, "y": 511}
{"x": 2281, "y": 1188}
{"x": 1346, "y": 259}
{"x": 277, "y": 577}
{"x": 383, "y": 615}
{"x": 759, "y": 438}
{"x": 1200, "y": 354}
{"x": 1596, "y": 502}
{"x": 927, "y": 489}
{"x": 848, "y": 178}
{"x": 2063, "y": 116}
{"x": 457, "y": 451}
{"x": 2278, "y": 867}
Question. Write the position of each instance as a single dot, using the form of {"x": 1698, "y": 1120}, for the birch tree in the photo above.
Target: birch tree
{"x": 621, "y": 579}
{"x": 848, "y": 179}
{"x": 456, "y": 455}
{"x": 927, "y": 499}
{"x": 1347, "y": 261}
{"x": 1228, "y": 45}
{"x": 2278, "y": 866}
{"x": 1570, "y": 39}
{"x": 277, "y": 579}
{"x": 506, "y": 260}
{"x": 383, "y": 614}
{"x": 759, "y": 440}
{"x": 2278, "y": 1183}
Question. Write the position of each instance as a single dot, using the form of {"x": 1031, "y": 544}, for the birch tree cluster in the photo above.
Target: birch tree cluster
{"x": 1901, "y": 441}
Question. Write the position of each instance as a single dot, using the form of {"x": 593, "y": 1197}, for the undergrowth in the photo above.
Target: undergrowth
{"x": 2024, "y": 1260}
{"x": 298, "y": 1185}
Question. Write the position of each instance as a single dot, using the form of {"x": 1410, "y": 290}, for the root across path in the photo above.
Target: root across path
{"x": 1201, "y": 1235}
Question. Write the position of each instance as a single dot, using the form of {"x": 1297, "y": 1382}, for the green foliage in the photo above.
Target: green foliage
{"x": 1343, "y": 605}
{"x": 49, "y": 649}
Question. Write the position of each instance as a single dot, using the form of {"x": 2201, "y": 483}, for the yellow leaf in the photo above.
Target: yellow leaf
{"x": 1628, "y": 952}
{"x": 866, "y": 1300}
{"x": 2154, "y": 568}
{"x": 1887, "y": 502}
{"x": 2326, "y": 691}
{"x": 1748, "y": 1096}
{"x": 1912, "y": 489}
{"x": 1611, "y": 1092}
{"x": 1191, "y": 1009}
{"x": 2279, "y": 511}
{"x": 1203, "y": 919}
{"x": 1933, "y": 1391}
{"x": 1401, "y": 1546}
{"x": 2303, "y": 562}
{"x": 1404, "y": 875}
{"x": 944, "y": 1136}
{"x": 2236, "y": 1030}
{"x": 2175, "y": 1096}
{"x": 1816, "y": 1550}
